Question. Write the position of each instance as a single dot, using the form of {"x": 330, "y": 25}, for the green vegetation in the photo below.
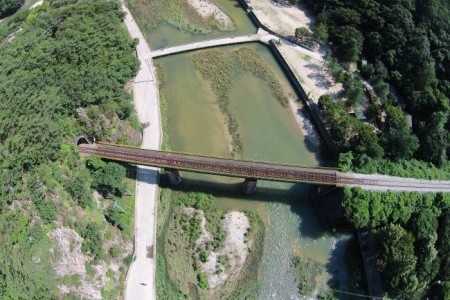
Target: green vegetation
{"x": 63, "y": 75}
{"x": 406, "y": 44}
{"x": 202, "y": 281}
{"x": 349, "y": 133}
{"x": 92, "y": 240}
{"x": 179, "y": 258}
{"x": 8, "y": 7}
{"x": 218, "y": 67}
{"x": 163, "y": 105}
{"x": 372, "y": 210}
{"x": 107, "y": 177}
{"x": 181, "y": 230}
{"x": 178, "y": 13}
{"x": 25, "y": 261}
{"x": 307, "y": 271}
{"x": 412, "y": 235}
{"x": 403, "y": 168}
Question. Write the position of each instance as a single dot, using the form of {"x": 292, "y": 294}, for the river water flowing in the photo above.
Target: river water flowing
{"x": 269, "y": 132}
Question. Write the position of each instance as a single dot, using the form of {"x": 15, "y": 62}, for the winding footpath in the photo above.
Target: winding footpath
{"x": 140, "y": 281}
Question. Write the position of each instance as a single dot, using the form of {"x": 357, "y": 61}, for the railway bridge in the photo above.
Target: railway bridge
{"x": 251, "y": 171}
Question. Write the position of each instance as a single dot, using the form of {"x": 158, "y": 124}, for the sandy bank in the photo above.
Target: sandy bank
{"x": 208, "y": 10}
{"x": 312, "y": 74}
{"x": 234, "y": 251}
{"x": 280, "y": 18}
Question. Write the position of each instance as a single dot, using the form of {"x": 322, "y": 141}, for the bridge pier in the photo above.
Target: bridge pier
{"x": 174, "y": 176}
{"x": 249, "y": 186}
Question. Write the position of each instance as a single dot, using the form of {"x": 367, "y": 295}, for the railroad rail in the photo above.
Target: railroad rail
{"x": 252, "y": 170}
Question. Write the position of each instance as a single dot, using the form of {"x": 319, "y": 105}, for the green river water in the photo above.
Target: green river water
{"x": 269, "y": 132}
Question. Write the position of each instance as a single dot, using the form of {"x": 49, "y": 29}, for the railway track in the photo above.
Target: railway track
{"x": 256, "y": 170}
{"x": 218, "y": 166}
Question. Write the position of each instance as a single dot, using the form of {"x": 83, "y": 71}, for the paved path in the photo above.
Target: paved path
{"x": 206, "y": 44}
{"x": 140, "y": 282}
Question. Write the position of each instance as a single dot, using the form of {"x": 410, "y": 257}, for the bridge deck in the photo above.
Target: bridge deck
{"x": 205, "y": 44}
{"x": 260, "y": 170}
{"x": 210, "y": 165}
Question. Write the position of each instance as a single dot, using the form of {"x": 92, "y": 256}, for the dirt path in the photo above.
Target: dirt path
{"x": 140, "y": 282}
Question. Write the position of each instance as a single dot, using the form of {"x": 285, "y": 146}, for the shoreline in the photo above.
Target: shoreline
{"x": 305, "y": 125}
{"x": 208, "y": 10}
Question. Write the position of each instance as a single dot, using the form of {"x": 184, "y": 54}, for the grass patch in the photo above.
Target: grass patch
{"x": 307, "y": 272}
{"x": 163, "y": 105}
{"x": 218, "y": 67}
{"x": 306, "y": 58}
{"x": 178, "y": 258}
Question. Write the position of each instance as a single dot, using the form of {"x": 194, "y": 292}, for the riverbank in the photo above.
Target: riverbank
{"x": 209, "y": 11}
{"x": 281, "y": 18}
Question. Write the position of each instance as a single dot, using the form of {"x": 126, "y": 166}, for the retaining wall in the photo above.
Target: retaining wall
{"x": 311, "y": 106}
{"x": 316, "y": 118}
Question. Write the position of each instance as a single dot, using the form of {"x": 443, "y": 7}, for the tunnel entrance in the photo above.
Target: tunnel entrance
{"x": 82, "y": 140}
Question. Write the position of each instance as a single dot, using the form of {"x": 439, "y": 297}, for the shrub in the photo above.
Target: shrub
{"x": 202, "y": 281}
{"x": 93, "y": 240}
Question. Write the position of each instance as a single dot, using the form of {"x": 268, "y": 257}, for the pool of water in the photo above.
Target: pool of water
{"x": 269, "y": 133}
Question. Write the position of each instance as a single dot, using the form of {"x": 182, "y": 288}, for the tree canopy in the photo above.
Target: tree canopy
{"x": 8, "y": 7}
{"x": 61, "y": 76}
{"x": 406, "y": 44}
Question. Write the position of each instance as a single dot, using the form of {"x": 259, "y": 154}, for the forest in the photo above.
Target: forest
{"x": 62, "y": 75}
{"x": 8, "y": 7}
{"x": 402, "y": 48}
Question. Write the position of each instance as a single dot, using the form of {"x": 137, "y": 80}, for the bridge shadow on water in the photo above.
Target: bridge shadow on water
{"x": 297, "y": 197}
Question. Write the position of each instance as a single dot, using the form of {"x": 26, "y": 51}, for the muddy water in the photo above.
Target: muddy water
{"x": 269, "y": 133}
{"x": 166, "y": 35}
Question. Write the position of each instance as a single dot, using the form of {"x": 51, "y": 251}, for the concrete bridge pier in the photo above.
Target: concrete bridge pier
{"x": 249, "y": 186}
{"x": 174, "y": 176}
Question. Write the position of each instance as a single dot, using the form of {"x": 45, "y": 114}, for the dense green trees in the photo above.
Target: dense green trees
{"x": 406, "y": 44}
{"x": 92, "y": 240}
{"x": 62, "y": 75}
{"x": 8, "y": 7}
{"x": 399, "y": 261}
{"x": 108, "y": 177}
{"x": 349, "y": 133}
{"x": 412, "y": 235}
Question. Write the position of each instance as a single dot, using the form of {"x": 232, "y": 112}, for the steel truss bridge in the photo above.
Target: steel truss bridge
{"x": 252, "y": 170}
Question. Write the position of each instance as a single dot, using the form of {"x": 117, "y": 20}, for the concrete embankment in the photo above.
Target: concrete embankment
{"x": 312, "y": 107}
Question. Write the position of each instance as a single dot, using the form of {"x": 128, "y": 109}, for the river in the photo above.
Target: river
{"x": 269, "y": 132}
